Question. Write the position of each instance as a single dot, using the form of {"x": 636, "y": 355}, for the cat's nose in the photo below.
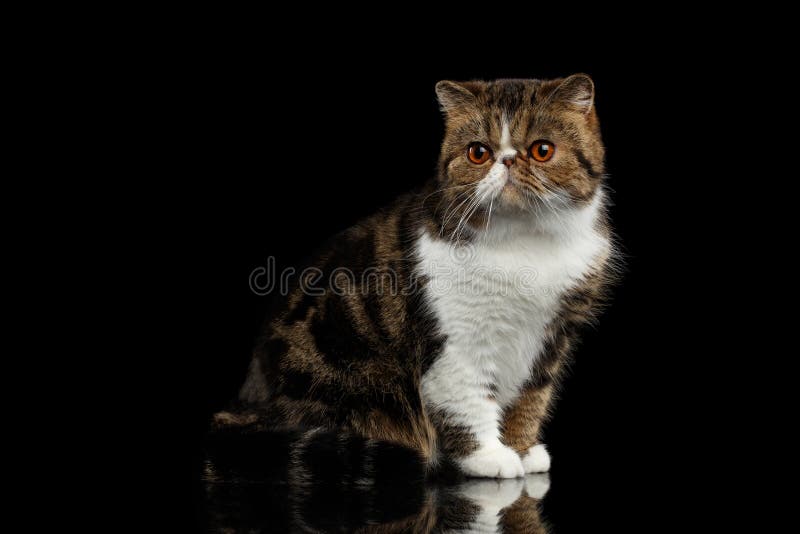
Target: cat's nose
{"x": 508, "y": 161}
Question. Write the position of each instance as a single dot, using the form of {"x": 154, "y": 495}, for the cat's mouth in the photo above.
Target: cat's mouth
{"x": 524, "y": 187}
{"x": 513, "y": 193}
{"x": 518, "y": 195}
{"x": 518, "y": 186}
{"x": 513, "y": 182}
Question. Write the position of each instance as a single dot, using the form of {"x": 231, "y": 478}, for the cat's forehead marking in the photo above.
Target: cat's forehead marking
{"x": 506, "y": 148}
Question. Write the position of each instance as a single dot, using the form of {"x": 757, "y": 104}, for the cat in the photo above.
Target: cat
{"x": 431, "y": 336}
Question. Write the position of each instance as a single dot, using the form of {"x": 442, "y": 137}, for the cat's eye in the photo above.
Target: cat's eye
{"x": 542, "y": 150}
{"x": 478, "y": 153}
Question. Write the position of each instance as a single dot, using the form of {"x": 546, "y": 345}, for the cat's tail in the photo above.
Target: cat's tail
{"x": 320, "y": 477}
{"x": 249, "y": 451}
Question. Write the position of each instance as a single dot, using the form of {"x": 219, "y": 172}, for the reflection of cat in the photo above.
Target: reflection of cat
{"x": 523, "y": 516}
{"x": 506, "y": 506}
{"x": 501, "y": 506}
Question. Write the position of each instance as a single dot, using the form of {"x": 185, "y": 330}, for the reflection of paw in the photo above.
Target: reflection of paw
{"x": 495, "y": 462}
{"x": 536, "y": 486}
{"x": 492, "y": 494}
{"x": 537, "y": 460}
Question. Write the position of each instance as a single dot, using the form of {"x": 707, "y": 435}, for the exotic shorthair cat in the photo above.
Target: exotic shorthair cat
{"x": 433, "y": 334}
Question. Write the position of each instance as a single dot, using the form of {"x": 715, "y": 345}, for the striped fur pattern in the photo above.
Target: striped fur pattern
{"x": 445, "y": 319}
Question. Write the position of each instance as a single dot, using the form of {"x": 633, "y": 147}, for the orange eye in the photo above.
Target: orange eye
{"x": 542, "y": 150}
{"x": 478, "y": 153}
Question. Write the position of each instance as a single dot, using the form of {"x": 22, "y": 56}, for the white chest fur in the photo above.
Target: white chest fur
{"x": 494, "y": 300}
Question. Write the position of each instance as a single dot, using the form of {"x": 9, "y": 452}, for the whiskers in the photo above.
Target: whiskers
{"x": 555, "y": 200}
{"x": 544, "y": 200}
{"x": 464, "y": 206}
{"x": 474, "y": 202}
{"x": 465, "y": 197}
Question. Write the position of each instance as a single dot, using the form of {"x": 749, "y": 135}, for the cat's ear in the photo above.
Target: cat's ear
{"x": 577, "y": 91}
{"x": 452, "y": 96}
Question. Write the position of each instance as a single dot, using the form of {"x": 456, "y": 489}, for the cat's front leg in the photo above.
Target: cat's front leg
{"x": 522, "y": 422}
{"x": 467, "y": 420}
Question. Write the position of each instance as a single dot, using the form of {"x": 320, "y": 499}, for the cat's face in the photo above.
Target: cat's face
{"x": 519, "y": 146}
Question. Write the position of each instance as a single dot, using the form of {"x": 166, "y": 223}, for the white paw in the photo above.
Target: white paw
{"x": 536, "y": 486}
{"x": 537, "y": 460}
{"x": 495, "y": 462}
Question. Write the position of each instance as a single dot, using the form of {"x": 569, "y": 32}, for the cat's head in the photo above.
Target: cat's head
{"x": 519, "y": 147}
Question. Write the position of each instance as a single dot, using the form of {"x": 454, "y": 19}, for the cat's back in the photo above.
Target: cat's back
{"x": 353, "y": 310}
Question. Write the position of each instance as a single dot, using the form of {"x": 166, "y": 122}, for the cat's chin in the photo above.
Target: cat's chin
{"x": 513, "y": 198}
{"x": 511, "y": 219}
{"x": 513, "y": 203}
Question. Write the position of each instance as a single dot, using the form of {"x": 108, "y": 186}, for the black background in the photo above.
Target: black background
{"x": 270, "y": 155}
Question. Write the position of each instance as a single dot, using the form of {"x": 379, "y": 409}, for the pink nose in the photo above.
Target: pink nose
{"x": 508, "y": 161}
